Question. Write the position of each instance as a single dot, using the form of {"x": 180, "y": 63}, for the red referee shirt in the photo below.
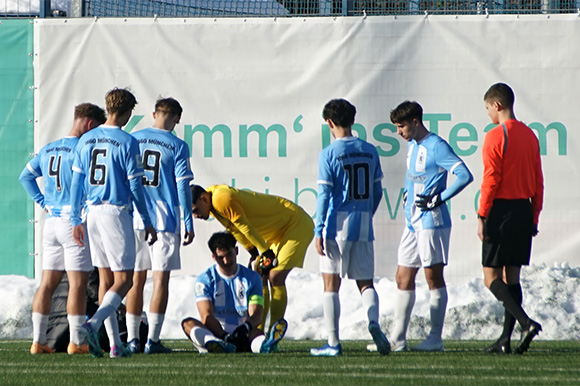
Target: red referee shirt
{"x": 515, "y": 173}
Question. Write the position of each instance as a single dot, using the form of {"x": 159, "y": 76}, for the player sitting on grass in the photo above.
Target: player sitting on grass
{"x": 230, "y": 305}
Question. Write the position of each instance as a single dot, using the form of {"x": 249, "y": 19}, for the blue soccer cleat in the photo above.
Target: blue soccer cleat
{"x": 219, "y": 347}
{"x": 327, "y": 351}
{"x": 121, "y": 351}
{"x": 152, "y": 347}
{"x": 92, "y": 339}
{"x": 383, "y": 345}
{"x": 134, "y": 346}
{"x": 276, "y": 334}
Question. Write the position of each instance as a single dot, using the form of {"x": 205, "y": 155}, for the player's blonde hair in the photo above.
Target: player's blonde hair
{"x": 120, "y": 101}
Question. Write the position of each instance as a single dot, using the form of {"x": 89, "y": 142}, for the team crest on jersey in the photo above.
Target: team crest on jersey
{"x": 199, "y": 289}
{"x": 421, "y": 159}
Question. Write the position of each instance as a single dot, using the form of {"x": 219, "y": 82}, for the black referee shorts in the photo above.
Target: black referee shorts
{"x": 510, "y": 224}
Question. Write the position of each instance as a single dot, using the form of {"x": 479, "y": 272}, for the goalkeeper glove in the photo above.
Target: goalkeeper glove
{"x": 267, "y": 262}
{"x": 428, "y": 202}
{"x": 254, "y": 254}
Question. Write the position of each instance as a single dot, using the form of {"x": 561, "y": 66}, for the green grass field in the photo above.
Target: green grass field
{"x": 462, "y": 363}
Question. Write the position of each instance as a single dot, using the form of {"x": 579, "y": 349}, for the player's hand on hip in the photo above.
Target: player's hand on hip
{"x": 319, "y": 244}
{"x": 188, "y": 238}
{"x": 79, "y": 234}
{"x": 150, "y": 235}
{"x": 427, "y": 202}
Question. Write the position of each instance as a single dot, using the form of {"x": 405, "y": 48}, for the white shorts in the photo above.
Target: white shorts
{"x": 424, "y": 248}
{"x": 111, "y": 237}
{"x": 352, "y": 259}
{"x": 60, "y": 251}
{"x": 163, "y": 255}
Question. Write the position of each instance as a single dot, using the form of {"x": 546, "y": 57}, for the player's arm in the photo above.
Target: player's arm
{"x": 322, "y": 203}
{"x": 492, "y": 155}
{"x": 377, "y": 195}
{"x": 136, "y": 187}
{"x": 255, "y": 312}
{"x": 206, "y": 316}
{"x": 447, "y": 159}
{"x": 184, "y": 193}
{"x": 244, "y": 227}
{"x": 76, "y": 197}
{"x": 28, "y": 180}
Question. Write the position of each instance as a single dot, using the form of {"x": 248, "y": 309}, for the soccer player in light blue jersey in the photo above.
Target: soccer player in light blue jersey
{"x": 425, "y": 240}
{"x": 349, "y": 193}
{"x": 166, "y": 182}
{"x": 108, "y": 169}
{"x": 60, "y": 253}
{"x": 230, "y": 303}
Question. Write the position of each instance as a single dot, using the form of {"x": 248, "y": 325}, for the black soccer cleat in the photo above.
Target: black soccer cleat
{"x": 499, "y": 347}
{"x": 533, "y": 329}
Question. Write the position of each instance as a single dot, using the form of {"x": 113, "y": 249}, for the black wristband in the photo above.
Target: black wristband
{"x": 480, "y": 217}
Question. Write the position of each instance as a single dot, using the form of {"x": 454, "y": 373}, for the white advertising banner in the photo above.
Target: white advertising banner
{"x": 253, "y": 91}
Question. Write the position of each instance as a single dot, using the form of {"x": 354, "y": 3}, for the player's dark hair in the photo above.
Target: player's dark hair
{"x": 221, "y": 240}
{"x": 120, "y": 101}
{"x": 502, "y": 94}
{"x": 91, "y": 111}
{"x": 196, "y": 192}
{"x": 339, "y": 111}
{"x": 407, "y": 111}
{"x": 168, "y": 106}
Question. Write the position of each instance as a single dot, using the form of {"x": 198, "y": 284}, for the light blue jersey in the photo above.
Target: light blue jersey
{"x": 230, "y": 296}
{"x": 349, "y": 190}
{"x": 54, "y": 163}
{"x": 428, "y": 163}
{"x": 108, "y": 165}
{"x": 166, "y": 179}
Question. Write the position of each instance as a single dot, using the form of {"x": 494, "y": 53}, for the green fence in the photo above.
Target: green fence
{"x": 16, "y": 145}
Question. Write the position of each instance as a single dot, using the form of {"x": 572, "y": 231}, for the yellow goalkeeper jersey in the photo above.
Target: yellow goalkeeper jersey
{"x": 255, "y": 219}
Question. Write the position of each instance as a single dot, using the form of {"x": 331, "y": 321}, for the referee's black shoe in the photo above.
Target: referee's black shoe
{"x": 499, "y": 347}
{"x": 527, "y": 335}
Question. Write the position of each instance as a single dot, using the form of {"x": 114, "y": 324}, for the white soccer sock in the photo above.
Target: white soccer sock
{"x": 405, "y": 300}
{"x": 331, "y": 307}
{"x": 133, "y": 324}
{"x": 199, "y": 337}
{"x": 111, "y": 301}
{"x": 39, "y": 325}
{"x": 370, "y": 301}
{"x": 155, "y": 324}
{"x": 437, "y": 308}
{"x": 256, "y": 344}
{"x": 74, "y": 324}
{"x": 112, "y": 327}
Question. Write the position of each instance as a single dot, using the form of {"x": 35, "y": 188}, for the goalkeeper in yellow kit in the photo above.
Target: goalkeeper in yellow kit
{"x": 271, "y": 228}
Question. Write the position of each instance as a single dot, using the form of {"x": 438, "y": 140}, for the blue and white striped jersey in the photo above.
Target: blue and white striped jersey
{"x": 231, "y": 295}
{"x": 54, "y": 164}
{"x": 349, "y": 190}
{"x": 108, "y": 163}
{"x": 166, "y": 179}
{"x": 428, "y": 163}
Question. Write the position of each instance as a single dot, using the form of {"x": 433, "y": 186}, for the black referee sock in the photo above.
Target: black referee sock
{"x": 501, "y": 291}
{"x": 509, "y": 320}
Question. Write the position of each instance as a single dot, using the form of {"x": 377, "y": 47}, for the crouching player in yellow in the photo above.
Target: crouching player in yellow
{"x": 229, "y": 301}
{"x": 268, "y": 226}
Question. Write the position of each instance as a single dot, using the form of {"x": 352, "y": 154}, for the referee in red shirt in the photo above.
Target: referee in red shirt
{"x": 511, "y": 199}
